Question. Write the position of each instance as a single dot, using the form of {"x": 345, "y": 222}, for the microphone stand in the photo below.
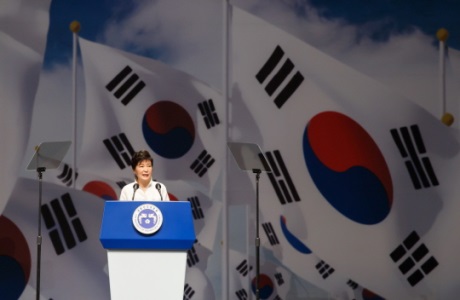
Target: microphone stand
{"x": 158, "y": 187}
{"x": 257, "y": 241}
{"x": 40, "y": 171}
{"x": 135, "y": 187}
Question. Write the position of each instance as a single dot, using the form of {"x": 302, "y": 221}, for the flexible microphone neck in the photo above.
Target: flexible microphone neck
{"x": 135, "y": 187}
{"x": 158, "y": 186}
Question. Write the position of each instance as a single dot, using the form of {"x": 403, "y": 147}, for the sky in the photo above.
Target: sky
{"x": 382, "y": 19}
{"x": 378, "y": 21}
{"x": 387, "y": 40}
{"x": 391, "y": 41}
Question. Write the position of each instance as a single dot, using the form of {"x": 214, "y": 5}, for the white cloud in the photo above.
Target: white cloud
{"x": 184, "y": 34}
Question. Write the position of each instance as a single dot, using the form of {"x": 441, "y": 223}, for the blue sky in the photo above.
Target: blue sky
{"x": 93, "y": 15}
{"x": 395, "y": 17}
{"x": 376, "y": 20}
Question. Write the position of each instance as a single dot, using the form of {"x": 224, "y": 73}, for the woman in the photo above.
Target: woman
{"x": 143, "y": 188}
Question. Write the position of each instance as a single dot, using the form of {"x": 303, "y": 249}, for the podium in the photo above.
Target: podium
{"x": 142, "y": 264}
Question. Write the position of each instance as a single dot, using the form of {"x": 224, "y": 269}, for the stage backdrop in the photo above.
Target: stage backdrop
{"x": 354, "y": 108}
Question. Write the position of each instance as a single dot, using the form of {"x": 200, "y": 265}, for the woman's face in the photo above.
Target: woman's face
{"x": 143, "y": 171}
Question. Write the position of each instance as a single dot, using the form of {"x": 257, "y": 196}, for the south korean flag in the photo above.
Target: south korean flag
{"x": 135, "y": 103}
{"x": 372, "y": 173}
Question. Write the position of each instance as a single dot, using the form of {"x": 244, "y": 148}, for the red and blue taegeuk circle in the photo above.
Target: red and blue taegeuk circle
{"x": 368, "y": 295}
{"x": 292, "y": 239}
{"x": 348, "y": 168}
{"x": 168, "y": 129}
{"x": 100, "y": 189}
{"x": 266, "y": 286}
{"x": 15, "y": 260}
{"x": 172, "y": 197}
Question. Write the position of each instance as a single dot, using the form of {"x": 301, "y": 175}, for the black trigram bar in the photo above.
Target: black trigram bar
{"x": 243, "y": 268}
{"x": 279, "y": 279}
{"x": 202, "y": 164}
{"x": 283, "y": 184}
{"x": 277, "y": 297}
{"x": 409, "y": 254}
{"x": 270, "y": 232}
{"x": 208, "y": 111}
{"x": 65, "y": 218}
{"x": 121, "y": 150}
{"x": 410, "y": 145}
{"x": 280, "y": 77}
{"x": 324, "y": 269}
{"x": 196, "y": 208}
{"x": 192, "y": 257}
{"x": 66, "y": 175}
{"x": 352, "y": 284}
{"x": 125, "y": 85}
{"x": 188, "y": 292}
{"x": 241, "y": 294}
{"x": 121, "y": 184}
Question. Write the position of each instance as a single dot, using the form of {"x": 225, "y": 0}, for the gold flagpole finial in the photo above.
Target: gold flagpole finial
{"x": 442, "y": 34}
{"x": 447, "y": 119}
{"x": 75, "y": 26}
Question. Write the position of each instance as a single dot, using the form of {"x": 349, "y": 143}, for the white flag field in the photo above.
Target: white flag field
{"x": 198, "y": 284}
{"x": 275, "y": 280}
{"x": 452, "y": 87}
{"x": 23, "y": 30}
{"x": 135, "y": 103}
{"x": 372, "y": 174}
{"x": 72, "y": 257}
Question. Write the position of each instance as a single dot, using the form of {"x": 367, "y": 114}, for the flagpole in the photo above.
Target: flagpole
{"x": 249, "y": 240}
{"x": 75, "y": 28}
{"x": 442, "y": 36}
{"x": 40, "y": 171}
{"x": 225, "y": 93}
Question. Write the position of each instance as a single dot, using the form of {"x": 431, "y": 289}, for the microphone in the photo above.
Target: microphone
{"x": 135, "y": 187}
{"x": 158, "y": 186}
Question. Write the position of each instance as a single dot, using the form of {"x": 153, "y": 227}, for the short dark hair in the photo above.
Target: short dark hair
{"x": 140, "y": 156}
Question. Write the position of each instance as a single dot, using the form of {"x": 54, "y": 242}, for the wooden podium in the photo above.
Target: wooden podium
{"x": 147, "y": 265}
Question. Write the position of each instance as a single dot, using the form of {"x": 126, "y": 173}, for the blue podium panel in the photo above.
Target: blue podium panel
{"x": 176, "y": 233}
